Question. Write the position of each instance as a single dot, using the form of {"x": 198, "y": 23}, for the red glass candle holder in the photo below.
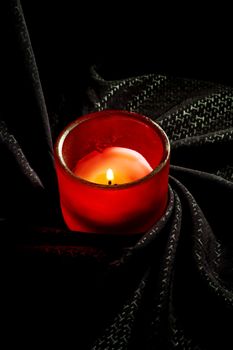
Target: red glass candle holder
{"x": 127, "y": 208}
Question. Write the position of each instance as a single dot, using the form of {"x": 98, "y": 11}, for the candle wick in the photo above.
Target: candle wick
{"x": 109, "y": 182}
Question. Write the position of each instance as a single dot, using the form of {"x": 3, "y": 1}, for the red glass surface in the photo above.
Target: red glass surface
{"x": 127, "y": 208}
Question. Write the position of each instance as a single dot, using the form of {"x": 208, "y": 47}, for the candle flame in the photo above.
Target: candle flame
{"x": 109, "y": 175}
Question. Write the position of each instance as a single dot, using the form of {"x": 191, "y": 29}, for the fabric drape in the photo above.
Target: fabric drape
{"x": 170, "y": 288}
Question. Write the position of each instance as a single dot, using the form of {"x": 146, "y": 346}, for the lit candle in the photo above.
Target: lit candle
{"x": 114, "y": 165}
{"x": 112, "y": 169}
{"x": 109, "y": 176}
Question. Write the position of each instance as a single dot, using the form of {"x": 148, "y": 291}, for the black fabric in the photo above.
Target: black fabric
{"x": 169, "y": 288}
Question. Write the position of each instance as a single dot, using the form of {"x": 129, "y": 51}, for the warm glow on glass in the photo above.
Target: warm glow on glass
{"x": 121, "y": 164}
{"x": 112, "y": 169}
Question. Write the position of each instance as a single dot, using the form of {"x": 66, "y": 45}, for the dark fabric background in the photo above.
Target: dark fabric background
{"x": 170, "y": 288}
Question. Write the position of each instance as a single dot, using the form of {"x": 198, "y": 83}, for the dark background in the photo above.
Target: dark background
{"x": 68, "y": 37}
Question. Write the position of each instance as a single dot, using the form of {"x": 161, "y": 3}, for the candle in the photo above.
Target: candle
{"x": 114, "y": 165}
{"x": 112, "y": 169}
